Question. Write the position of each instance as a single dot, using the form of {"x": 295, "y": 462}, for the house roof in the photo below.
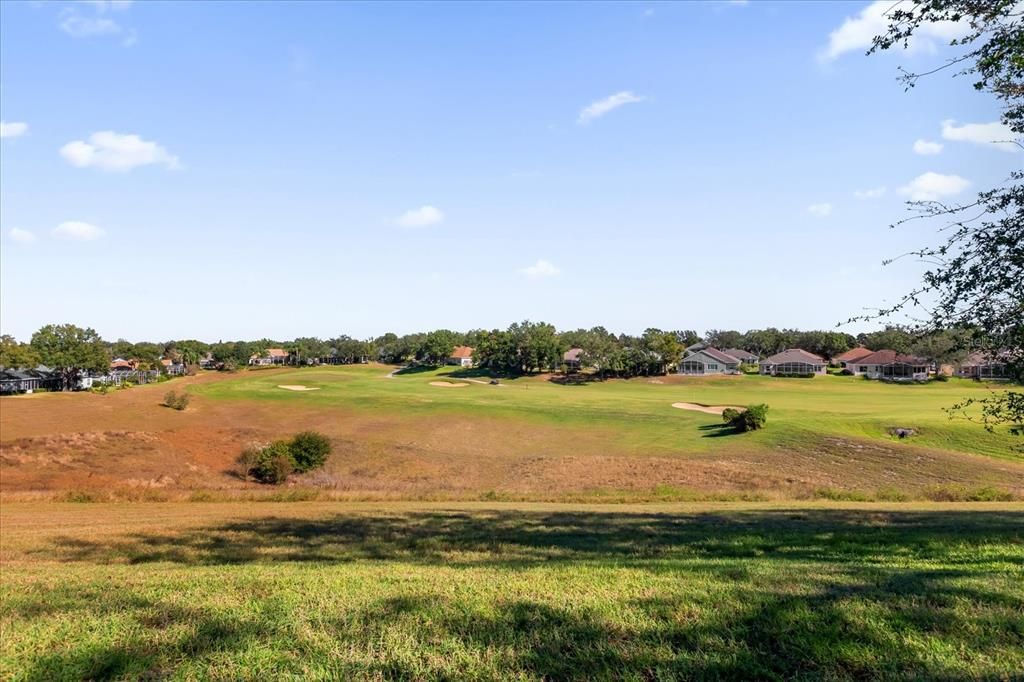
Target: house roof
{"x": 853, "y": 355}
{"x": 572, "y": 355}
{"x": 889, "y": 357}
{"x": 793, "y": 355}
{"x": 120, "y": 362}
{"x": 714, "y": 354}
{"x": 277, "y": 353}
{"x": 740, "y": 354}
{"x": 982, "y": 358}
{"x": 462, "y": 352}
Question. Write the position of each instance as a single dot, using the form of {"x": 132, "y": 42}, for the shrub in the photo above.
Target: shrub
{"x": 309, "y": 450}
{"x": 751, "y": 419}
{"x": 274, "y": 463}
{"x": 247, "y": 460}
{"x": 729, "y": 414}
{"x": 941, "y": 376}
{"x": 847, "y": 372}
{"x": 176, "y": 401}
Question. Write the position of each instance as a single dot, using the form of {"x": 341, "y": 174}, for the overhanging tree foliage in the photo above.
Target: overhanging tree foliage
{"x": 975, "y": 281}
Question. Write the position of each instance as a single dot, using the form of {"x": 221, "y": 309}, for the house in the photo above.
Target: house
{"x": 28, "y": 380}
{"x": 122, "y": 365}
{"x": 983, "y": 366}
{"x": 271, "y": 356}
{"x": 708, "y": 361}
{"x": 172, "y": 366}
{"x": 572, "y": 358}
{"x": 793, "y": 362}
{"x": 851, "y": 356}
{"x": 742, "y": 355}
{"x": 208, "y": 362}
{"x": 461, "y": 356}
{"x": 890, "y": 365}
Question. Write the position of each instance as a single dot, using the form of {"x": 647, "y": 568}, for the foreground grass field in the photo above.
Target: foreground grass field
{"x": 414, "y": 591}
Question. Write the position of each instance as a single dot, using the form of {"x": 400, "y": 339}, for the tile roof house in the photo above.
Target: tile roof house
{"x": 742, "y": 355}
{"x": 851, "y": 356}
{"x": 271, "y": 356}
{"x": 793, "y": 362}
{"x": 708, "y": 361}
{"x": 983, "y": 366}
{"x": 888, "y": 364}
{"x": 461, "y": 356}
{"x": 572, "y": 358}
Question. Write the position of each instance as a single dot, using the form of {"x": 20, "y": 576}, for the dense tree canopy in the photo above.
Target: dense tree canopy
{"x": 71, "y": 350}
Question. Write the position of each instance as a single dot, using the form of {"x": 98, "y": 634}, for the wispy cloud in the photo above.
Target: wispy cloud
{"x": 540, "y": 269}
{"x": 995, "y": 134}
{"x": 857, "y": 32}
{"x": 872, "y": 193}
{"x": 13, "y": 128}
{"x": 112, "y": 151}
{"x": 421, "y": 217}
{"x": 822, "y": 210}
{"x": 21, "y": 236}
{"x": 934, "y": 186}
{"x": 603, "y": 106}
{"x": 927, "y": 148}
{"x": 98, "y": 22}
{"x": 76, "y": 230}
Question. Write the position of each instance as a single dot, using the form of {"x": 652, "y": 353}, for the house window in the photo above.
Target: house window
{"x": 712, "y": 365}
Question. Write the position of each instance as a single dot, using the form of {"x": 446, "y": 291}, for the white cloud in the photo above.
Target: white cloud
{"x": 856, "y": 33}
{"x": 78, "y": 26}
{"x": 96, "y": 23}
{"x": 933, "y": 186}
{"x": 540, "y": 269}
{"x": 421, "y": 217}
{"x": 112, "y": 151}
{"x": 997, "y": 134}
{"x": 78, "y": 231}
{"x": 821, "y": 210}
{"x": 13, "y": 129}
{"x": 603, "y": 106}
{"x": 926, "y": 147}
{"x": 872, "y": 193}
{"x": 21, "y": 236}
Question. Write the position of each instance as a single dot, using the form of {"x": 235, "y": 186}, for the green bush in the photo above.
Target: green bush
{"x": 273, "y": 464}
{"x": 309, "y": 450}
{"x": 176, "y": 401}
{"x": 729, "y": 414}
{"x": 751, "y": 419}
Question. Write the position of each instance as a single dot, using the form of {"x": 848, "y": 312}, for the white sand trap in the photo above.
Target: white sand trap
{"x": 710, "y": 409}
{"x": 449, "y": 384}
{"x": 298, "y": 387}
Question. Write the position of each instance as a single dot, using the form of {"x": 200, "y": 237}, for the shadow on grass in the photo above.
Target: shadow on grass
{"x": 507, "y": 538}
{"x": 719, "y": 430}
{"x": 776, "y": 594}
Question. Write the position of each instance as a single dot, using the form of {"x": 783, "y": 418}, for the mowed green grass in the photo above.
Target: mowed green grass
{"x": 637, "y": 413}
{"x": 332, "y": 591}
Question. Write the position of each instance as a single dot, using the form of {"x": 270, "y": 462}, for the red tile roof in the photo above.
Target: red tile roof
{"x": 277, "y": 353}
{"x": 462, "y": 352}
{"x": 888, "y": 357}
{"x": 572, "y": 355}
{"x": 853, "y": 355}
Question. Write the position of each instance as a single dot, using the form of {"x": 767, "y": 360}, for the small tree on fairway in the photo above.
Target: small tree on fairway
{"x": 750, "y": 419}
{"x": 274, "y": 463}
{"x": 309, "y": 450}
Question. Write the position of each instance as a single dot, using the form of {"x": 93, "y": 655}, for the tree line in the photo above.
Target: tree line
{"x": 522, "y": 348}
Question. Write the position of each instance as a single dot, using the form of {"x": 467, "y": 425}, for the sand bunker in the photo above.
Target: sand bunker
{"x": 449, "y": 384}
{"x": 710, "y": 409}
{"x": 298, "y": 387}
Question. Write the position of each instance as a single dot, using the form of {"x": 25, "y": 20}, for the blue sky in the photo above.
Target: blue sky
{"x": 233, "y": 170}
